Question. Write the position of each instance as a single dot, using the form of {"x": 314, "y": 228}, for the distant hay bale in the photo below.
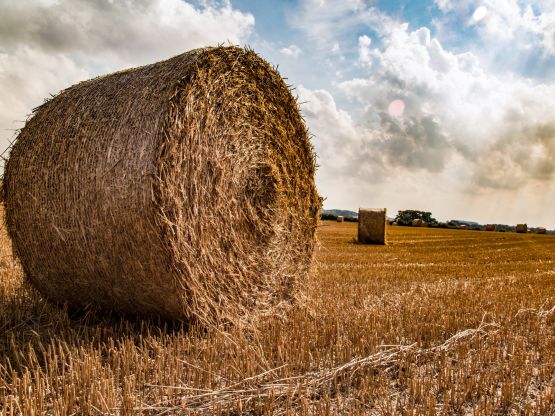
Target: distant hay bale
{"x": 417, "y": 222}
{"x": 340, "y": 218}
{"x": 424, "y": 224}
{"x": 463, "y": 227}
{"x": 490, "y": 227}
{"x": 182, "y": 189}
{"x": 521, "y": 228}
{"x": 541, "y": 230}
{"x": 371, "y": 225}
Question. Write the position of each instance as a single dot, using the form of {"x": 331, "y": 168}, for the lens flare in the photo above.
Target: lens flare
{"x": 396, "y": 108}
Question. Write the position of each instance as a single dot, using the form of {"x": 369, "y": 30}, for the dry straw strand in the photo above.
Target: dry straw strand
{"x": 182, "y": 189}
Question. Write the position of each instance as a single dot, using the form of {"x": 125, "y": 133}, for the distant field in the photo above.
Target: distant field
{"x": 436, "y": 322}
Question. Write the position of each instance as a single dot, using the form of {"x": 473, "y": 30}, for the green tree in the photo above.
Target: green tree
{"x": 407, "y": 216}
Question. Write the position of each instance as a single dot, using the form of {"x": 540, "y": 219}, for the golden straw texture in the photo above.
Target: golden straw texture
{"x": 371, "y": 225}
{"x": 182, "y": 189}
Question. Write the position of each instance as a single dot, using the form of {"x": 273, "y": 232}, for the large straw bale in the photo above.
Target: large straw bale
{"x": 541, "y": 230}
{"x": 182, "y": 189}
{"x": 521, "y": 228}
{"x": 490, "y": 227}
{"x": 371, "y": 225}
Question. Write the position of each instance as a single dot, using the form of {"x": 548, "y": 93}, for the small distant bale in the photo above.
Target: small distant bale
{"x": 394, "y": 223}
{"x": 521, "y": 228}
{"x": 417, "y": 222}
{"x": 340, "y": 218}
{"x": 490, "y": 227}
{"x": 371, "y": 225}
{"x": 424, "y": 224}
{"x": 463, "y": 227}
{"x": 541, "y": 230}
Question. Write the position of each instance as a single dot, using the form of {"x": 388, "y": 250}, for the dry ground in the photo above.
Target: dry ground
{"x": 436, "y": 322}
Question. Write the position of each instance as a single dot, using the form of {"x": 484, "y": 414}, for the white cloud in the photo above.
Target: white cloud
{"x": 473, "y": 134}
{"x": 27, "y": 77}
{"x": 503, "y": 21}
{"x": 45, "y": 47}
{"x": 455, "y": 111}
{"x": 327, "y": 21}
{"x": 291, "y": 50}
{"x": 445, "y": 5}
{"x": 364, "y": 52}
{"x": 125, "y": 32}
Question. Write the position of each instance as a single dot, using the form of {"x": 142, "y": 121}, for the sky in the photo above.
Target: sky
{"x": 445, "y": 106}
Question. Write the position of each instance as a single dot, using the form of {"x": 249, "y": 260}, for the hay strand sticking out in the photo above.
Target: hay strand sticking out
{"x": 183, "y": 189}
{"x": 371, "y": 225}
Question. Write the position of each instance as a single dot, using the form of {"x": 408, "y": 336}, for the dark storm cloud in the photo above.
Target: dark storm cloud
{"x": 518, "y": 155}
{"x": 415, "y": 143}
{"x": 138, "y": 30}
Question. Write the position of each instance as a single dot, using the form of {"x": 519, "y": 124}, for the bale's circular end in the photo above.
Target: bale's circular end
{"x": 183, "y": 189}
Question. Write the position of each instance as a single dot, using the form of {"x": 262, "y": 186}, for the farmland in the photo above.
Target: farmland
{"x": 436, "y": 322}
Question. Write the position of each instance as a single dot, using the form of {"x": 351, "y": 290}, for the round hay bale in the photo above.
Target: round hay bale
{"x": 541, "y": 230}
{"x": 371, "y": 225}
{"x": 182, "y": 189}
{"x": 340, "y": 218}
{"x": 417, "y": 222}
{"x": 521, "y": 228}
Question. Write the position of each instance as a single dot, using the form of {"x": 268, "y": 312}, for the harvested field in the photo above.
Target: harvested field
{"x": 436, "y": 322}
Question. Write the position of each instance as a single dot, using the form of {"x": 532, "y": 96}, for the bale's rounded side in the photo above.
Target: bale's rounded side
{"x": 183, "y": 189}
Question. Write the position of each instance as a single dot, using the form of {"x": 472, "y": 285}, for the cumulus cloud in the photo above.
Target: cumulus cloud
{"x": 326, "y": 21}
{"x": 128, "y": 32}
{"x": 364, "y": 51}
{"x": 291, "y": 50}
{"x": 339, "y": 140}
{"x": 47, "y": 46}
{"x": 500, "y": 128}
{"x": 26, "y": 78}
{"x": 503, "y": 21}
